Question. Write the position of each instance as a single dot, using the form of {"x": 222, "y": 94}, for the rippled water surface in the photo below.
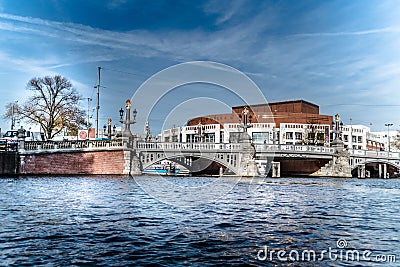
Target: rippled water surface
{"x": 89, "y": 221}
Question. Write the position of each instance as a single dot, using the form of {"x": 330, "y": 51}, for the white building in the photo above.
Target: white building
{"x": 383, "y": 138}
{"x": 261, "y": 133}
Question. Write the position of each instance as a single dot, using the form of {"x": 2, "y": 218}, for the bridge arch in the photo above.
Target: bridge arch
{"x": 373, "y": 168}
{"x": 194, "y": 162}
{"x": 376, "y": 161}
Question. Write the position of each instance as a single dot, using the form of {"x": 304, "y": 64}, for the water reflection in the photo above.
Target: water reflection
{"x": 112, "y": 221}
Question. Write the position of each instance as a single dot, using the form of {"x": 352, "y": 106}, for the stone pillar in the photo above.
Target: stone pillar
{"x": 361, "y": 171}
{"x": 276, "y": 169}
{"x": 127, "y": 162}
{"x": 339, "y": 166}
{"x": 21, "y": 139}
{"x": 132, "y": 164}
{"x": 385, "y": 174}
{"x": 136, "y": 166}
{"x": 247, "y": 163}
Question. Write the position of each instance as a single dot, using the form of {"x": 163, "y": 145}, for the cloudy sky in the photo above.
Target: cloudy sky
{"x": 341, "y": 55}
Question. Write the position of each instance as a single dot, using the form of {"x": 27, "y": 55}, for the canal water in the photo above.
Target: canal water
{"x": 104, "y": 221}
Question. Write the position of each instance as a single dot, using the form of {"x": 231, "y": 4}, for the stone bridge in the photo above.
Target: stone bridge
{"x": 230, "y": 156}
{"x": 233, "y": 158}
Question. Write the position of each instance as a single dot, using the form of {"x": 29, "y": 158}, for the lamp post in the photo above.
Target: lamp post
{"x": 88, "y": 113}
{"x": 351, "y": 134}
{"x": 200, "y": 131}
{"x": 147, "y": 131}
{"x": 341, "y": 131}
{"x": 247, "y": 119}
{"x": 388, "y": 125}
{"x": 109, "y": 121}
{"x": 127, "y": 122}
{"x": 338, "y": 130}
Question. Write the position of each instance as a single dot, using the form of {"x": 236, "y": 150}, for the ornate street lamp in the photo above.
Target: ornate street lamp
{"x": 147, "y": 130}
{"x": 247, "y": 119}
{"x": 109, "y": 121}
{"x": 127, "y": 122}
{"x": 338, "y": 131}
{"x": 200, "y": 131}
{"x": 388, "y": 125}
{"x": 104, "y": 130}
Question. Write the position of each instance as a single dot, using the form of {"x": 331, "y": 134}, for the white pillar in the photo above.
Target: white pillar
{"x": 380, "y": 170}
{"x": 385, "y": 171}
{"x": 276, "y": 169}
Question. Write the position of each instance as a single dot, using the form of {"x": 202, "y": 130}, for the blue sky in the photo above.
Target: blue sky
{"x": 341, "y": 55}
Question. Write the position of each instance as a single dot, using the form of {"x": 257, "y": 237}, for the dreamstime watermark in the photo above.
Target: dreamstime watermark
{"x": 340, "y": 253}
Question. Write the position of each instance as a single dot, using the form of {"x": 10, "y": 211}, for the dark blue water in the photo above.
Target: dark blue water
{"x": 90, "y": 221}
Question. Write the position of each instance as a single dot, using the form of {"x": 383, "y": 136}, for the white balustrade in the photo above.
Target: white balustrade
{"x": 53, "y": 145}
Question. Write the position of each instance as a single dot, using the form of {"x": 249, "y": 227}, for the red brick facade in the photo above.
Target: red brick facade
{"x": 96, "y": 162}
{"x": 294, "y": 111}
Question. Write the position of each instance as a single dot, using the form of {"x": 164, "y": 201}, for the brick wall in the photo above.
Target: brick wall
{"x": 96, "y": 162}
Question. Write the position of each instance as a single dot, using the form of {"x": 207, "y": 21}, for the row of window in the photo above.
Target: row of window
{"x": 305, "y": 126}
{"x": 297, "y": 135}
{"x": 355, "y": 139}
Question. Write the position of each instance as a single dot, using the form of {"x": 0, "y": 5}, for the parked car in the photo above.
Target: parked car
{"x": 3, "y": 144}
{"x": 11, "y": 135}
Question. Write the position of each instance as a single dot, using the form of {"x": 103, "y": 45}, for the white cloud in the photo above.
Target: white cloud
{"x": 350, "y": 33}
{"x": 116, "y": 3}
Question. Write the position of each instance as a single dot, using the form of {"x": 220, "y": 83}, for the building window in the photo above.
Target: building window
{"x": 346, "y": 138}
{"x": 354, "y": 139}
{"x": 260, "y": 137}
{"x": 360, "y": 139}
{"x": 289, "y": 135}
{"x": 209, "y": 138}
{"x": 298, "y": 136}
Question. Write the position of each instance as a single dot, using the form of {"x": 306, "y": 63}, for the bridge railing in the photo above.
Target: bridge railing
{"x": 52, "y": 145}
{"x": 187, "y": 146}
{"x": 374, "y": 153}
{"x": 237, "y": 147}
{"x": 294, "y": 148}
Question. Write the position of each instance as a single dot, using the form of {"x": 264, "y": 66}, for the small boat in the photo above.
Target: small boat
{"x": 163, "y": 168}
{"x": 157, "y": 170}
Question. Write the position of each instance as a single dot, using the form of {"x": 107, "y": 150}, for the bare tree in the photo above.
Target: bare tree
{"x": 53, "y": 105}
{"x": 12, "y": 113}
{"x": 396, "y": 140}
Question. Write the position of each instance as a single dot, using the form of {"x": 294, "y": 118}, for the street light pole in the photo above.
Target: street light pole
{"x": 388, "y": 125}
{"x": 351, "y": 134}
{"x": 127, "y": 122}
{"x": 12, "y": 117}
{"x": 200, "y": 132}
{"x": 246, "y": 118}
{"x": 88, "y": 113}
{"x": 98, "y": 103}
{"x": 147, "y": 130}
{"x": 13, "y": 114}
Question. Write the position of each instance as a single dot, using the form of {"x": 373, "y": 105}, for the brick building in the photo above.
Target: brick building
{"x": 285, "y": 122}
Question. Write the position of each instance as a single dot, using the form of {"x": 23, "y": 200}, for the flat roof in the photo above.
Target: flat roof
{"x": 279, "y": 102}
